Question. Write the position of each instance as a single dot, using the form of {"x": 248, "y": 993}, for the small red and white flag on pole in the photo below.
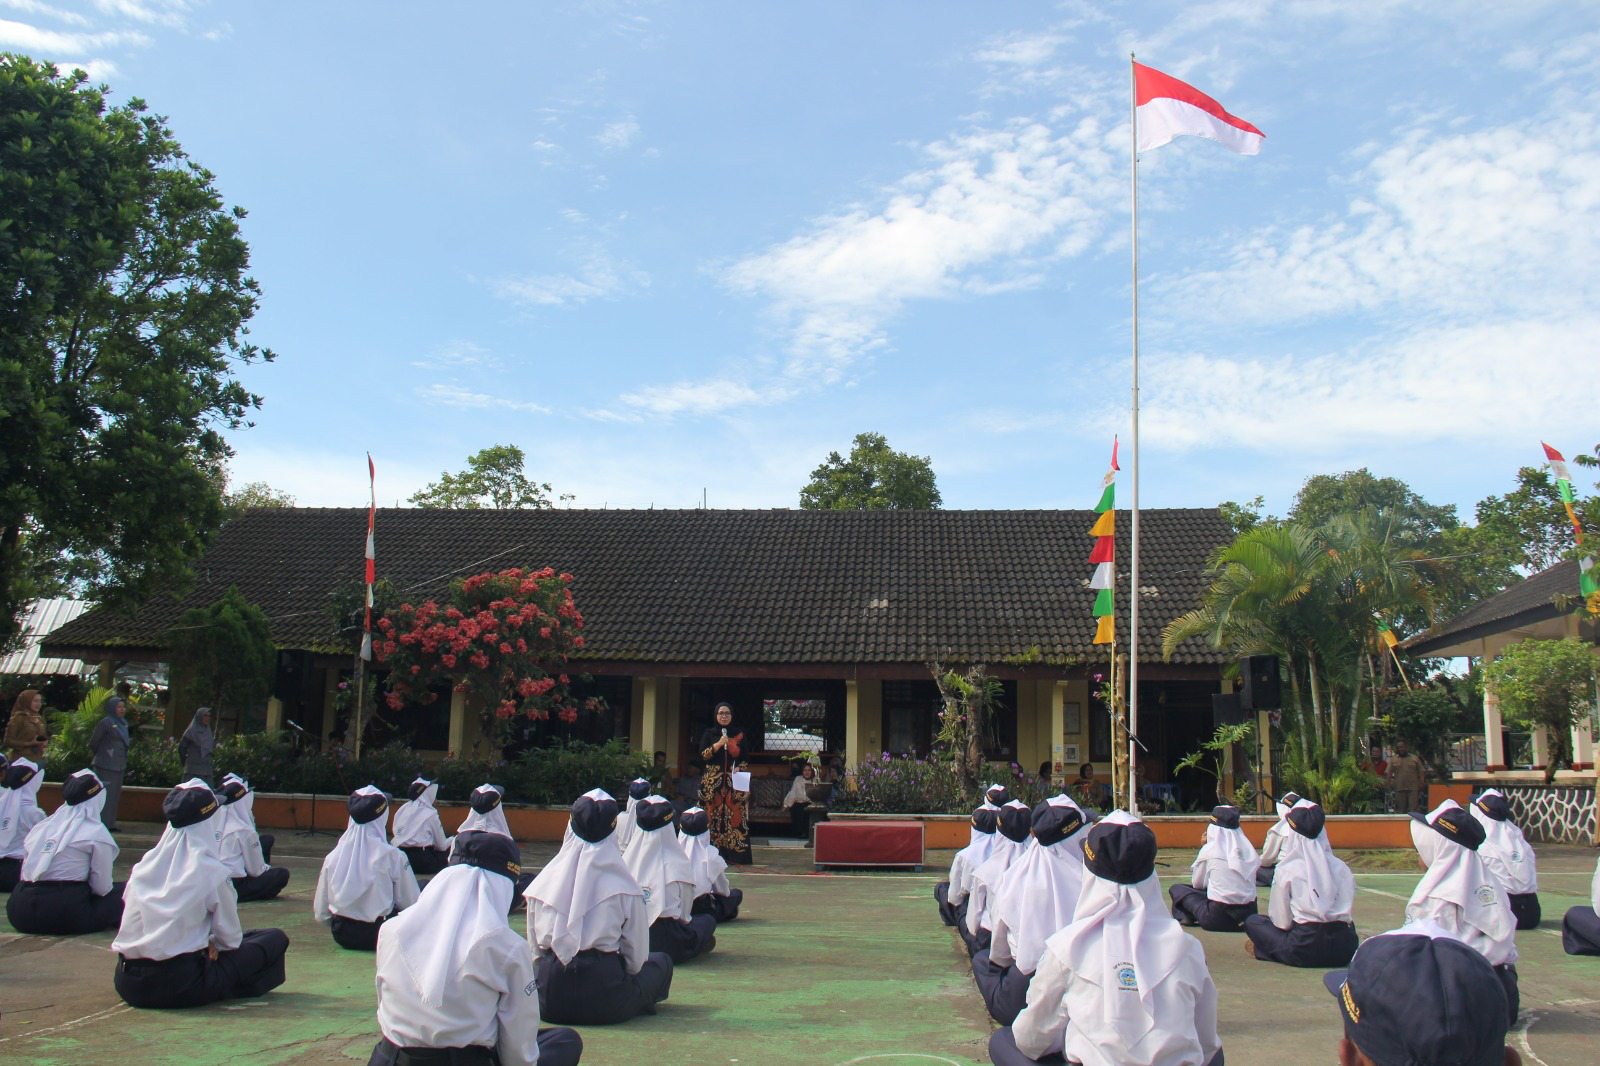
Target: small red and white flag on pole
{"x": 372, "y": 559}
{"x": 1165, "y": 108}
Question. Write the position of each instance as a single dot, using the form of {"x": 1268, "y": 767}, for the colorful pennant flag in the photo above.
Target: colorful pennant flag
{"x": 1104, "y": 555}
{"x": 1588, "y": 578}
{"x": 1386, "y": 635}
{"x": 372, "y": 559}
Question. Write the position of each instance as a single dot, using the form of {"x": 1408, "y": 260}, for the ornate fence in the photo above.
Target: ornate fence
{"x": 1553, "y": 814}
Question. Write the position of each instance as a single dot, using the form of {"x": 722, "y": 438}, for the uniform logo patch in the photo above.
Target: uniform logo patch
{"x": 1486, "y": 896}
{"x": 1350, "y": 1003}
{"x": 646, "y": 892}
{"x": 1126, "y": 978}
{"x": 533, "y": 986}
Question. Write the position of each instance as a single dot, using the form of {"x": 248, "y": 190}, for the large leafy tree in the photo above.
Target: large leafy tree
{"x": 494, "y": 477}
{"x": 1528, "y": 527}
{"x": 1548, "y": 683}
{"x": 223, "y": 655}
{"x": 123, "y": 311}
{"x": 874, "y": 478}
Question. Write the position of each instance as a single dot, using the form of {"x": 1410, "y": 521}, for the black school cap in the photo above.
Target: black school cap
{"x": 494, "y": 852}
{"x": 367, "y": 806}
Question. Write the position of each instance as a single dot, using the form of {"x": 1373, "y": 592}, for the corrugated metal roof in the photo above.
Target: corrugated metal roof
{"x": 42, "y": 617}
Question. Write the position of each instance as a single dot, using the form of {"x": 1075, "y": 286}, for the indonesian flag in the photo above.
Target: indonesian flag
{"x": 372, "y": 558}
{"x": 1165, "y": 107}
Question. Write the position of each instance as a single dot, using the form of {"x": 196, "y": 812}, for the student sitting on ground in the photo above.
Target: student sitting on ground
{"x": 1222, "y": 889}
{"x": 1308, "y": 917}
{"x": 627, "y": 822}
{"x": 66, "y": 885}
{"x": 1509, "y": 856}
{"x": 587, "y": 925}
{"x": 418, "y": 832}
{"x": 1459, "y": 893}
{"x": 1273, "y": 845}
{"x": 1036, "y": 900}
{"x": 1123, "y": 983}
{"x": 19, "y": 813}
{"x": 1015, "y": 823}
{"x": 489, "y": 816}
{"x": 455, "y": 982}
{"x": 713, "y": 895}
{"x": 1580, "y": 928}
{"x": 657, "y": 861}
{"x": 1418, "y": 995}
{"x": 180, "y": 944}
{"x": 365, "y": 880}
{"x": 244, "y": 852}
{"x": 952, "y": 894}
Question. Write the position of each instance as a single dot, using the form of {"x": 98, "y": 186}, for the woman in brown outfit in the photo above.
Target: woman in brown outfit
{"x": 26, "y": 733}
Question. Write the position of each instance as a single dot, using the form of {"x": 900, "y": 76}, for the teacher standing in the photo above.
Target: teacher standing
{"x": 196, "y": 745}
{"x": 727, "y": 810}
{"x": 108, "y": 747}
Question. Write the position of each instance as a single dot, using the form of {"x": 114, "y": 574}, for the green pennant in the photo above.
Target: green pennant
{"x": 1107, "y": 499}
{"x": 1103, "y": 603}
{"x": 1564, "y": 487}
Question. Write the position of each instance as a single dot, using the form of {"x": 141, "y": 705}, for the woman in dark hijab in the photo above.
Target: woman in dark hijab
{"x": 196, "y": 746}
{"x": 726, "y": 809}
{"x": 108, "y": 751}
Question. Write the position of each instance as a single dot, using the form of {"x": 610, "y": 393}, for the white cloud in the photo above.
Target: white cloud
{"x": 34, "y": 7}
{"x": 456, "y": 396}
{"x": 701, "y": 397}
{"x": 99, "y": 70}
{"x": 164, "y": 12}
{"x": 619, "y": 134}
{"x": 456, "y": 355}
{"x": 31, "y": 39}
{"x": 600, "y": 278}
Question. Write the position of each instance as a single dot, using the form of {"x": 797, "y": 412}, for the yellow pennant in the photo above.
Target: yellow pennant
{"x": 1106, "y": 526}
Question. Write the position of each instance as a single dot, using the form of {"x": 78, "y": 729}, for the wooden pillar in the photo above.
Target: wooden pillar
{"x": 1058, "y": 733}
{"x": 852, "y": 726}
{"x": 458, "y": 724}
{"x": 1541, "y": 748}
{"x": 652, "y": 719}
{"x": 274, "y": 715}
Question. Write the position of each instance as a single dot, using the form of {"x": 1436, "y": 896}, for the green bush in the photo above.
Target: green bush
{"x": 153, "y": 761}
{"x": 560, "y": 774}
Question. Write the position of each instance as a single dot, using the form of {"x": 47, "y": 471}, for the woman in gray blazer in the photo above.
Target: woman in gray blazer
{"x": 108, "y": 746}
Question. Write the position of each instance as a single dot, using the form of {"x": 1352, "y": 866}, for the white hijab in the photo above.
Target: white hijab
{"x": 1233, "y": 850}
{"x": 71, "y": 825}
{"x": 1040, "y": 895}
{"x": 656, "y": 860}
{"x": 463, "y": 906}
{"x": 15, "y": 806}
{"x": 1122, "y": 935}
{"x": 1313, "y": 864}
{"x": 355, "y": 873}
{"x": 1002, "y": 853}
{"x": 1506, "y": 851}
{"x": 580, "y": 877}
{"x": 411, "y": 818}
{"x": 706, "y": 864}
{"x": 1594, "y": 889}
{"x": 969, "y": 858}
{"x": 170, "y": 888}
{"x": 628, "y": 820}
{"x": 240, "y": 815}
{"x": 493, "y": 821}
{"x": 1458, "y": 878}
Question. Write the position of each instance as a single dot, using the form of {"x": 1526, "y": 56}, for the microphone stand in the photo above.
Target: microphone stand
{"x": 304, "y": 736}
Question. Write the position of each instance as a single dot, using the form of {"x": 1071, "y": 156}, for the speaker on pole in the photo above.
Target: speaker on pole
{"x": 1262, "y": 689}
{"x": 293, "y": 677}
{"x": 1226, "y": 709}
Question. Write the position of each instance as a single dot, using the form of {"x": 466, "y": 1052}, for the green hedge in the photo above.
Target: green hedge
{"x": 891, "y": 785}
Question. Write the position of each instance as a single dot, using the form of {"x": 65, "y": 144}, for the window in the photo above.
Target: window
{"x": 910, "y": 711}
{"x": 794, "y": 725}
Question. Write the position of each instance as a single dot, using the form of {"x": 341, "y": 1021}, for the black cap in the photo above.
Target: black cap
{"x": 18, "y": 774}
{"x": 694, "y": 822}
{"x": 653, "y": 814}
{"x": 1495, "y": 807}
{"x": 1408, "y": 998}
{"x": 594, "y": 819}
{"x": 4, "y": 763}
{"x": 1052, "y": 823}
{"x": 417, "y": 788}
{"x": 485, "y": 798}
{"x": 367, "y": 806}
{"x": 638, "y": 788}
{"x": 999, "y": 795}
{"x": 1290, "y": 799}
{"x": 80, "y": 786}
{"x": 1307, "y": 821}
{"x": 232, "y": 791}
{"x": 1015, "y": 822}
{"x": 188, "y": 806}
{"x": 1120, "y": 851}
{"x": 494, "y": 852}
{"x": 1225, "y": 815}
{"x": 1456, "y": 826}
{"x": 985, "y": 819}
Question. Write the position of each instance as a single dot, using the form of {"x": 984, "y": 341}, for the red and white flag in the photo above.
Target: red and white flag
{"x": 372, "y": 558}
{"x": 1165, "y": 107}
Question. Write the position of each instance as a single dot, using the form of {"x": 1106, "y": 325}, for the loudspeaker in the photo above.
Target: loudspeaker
{"x": 293, "y": 678}
{"x": 1226, "y": 709}
{"x": 1262, "y": 689}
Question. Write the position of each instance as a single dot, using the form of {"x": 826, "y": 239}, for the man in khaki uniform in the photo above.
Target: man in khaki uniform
{"x": 1406, "y": 778}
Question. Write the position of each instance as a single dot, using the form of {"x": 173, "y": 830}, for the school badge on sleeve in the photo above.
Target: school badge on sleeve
{"x": 1127, "y": 980}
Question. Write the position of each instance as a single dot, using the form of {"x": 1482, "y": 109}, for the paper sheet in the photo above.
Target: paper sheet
{"x": 741, "y": 781}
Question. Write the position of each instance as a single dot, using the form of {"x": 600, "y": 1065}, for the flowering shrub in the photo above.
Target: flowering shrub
{"x": 504, "y": 639}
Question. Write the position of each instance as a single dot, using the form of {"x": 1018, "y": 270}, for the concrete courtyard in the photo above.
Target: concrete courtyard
{"x": 821, "y": 969}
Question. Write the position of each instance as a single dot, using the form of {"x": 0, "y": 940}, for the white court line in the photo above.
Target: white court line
{"x": 901, "y": 1055}
{"x": 118, "y": 1009}
{"x": 1522, "y": 1037}
{"x": 1407, "y": 899}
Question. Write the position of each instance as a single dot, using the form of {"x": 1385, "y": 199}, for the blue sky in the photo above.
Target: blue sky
{"x": 668, "y": 248}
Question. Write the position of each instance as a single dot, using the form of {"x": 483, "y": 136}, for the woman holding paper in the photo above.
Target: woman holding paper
{"x": 727, "y": 807}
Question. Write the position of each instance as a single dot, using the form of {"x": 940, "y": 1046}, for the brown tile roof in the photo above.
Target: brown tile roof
{"x": 1530, "y": 600}
{"x": 706, "y": 586}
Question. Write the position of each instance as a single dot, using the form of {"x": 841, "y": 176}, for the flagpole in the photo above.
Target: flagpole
{"x": 1133, "y": 532}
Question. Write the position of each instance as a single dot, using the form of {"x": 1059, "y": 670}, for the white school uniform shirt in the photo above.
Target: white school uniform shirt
{"x": 1036, "y": 900}
{"x": 710, "y": 869}
{"x": 1459, "y": 893}
{"x": 1121, "y": 938}
{"x": 417, "y": 824}
{"x": 986, "y": 880}
{"x": 662, "y": 869}
{"x": 1506, "y": 852}
{"x": 1272, "y": 846}
{"x": 1226, "y": 866}
{"x": 585, "y": 898}
{"x": 241, "y": 844}
{"x": 19, "y": 813}
{"x": 179, "y": 898}
{"x": 364, "y": 877}
{"x": 1312, "y": 885}
{"x": 628, "y": 820}
{"x": 1594, "y": 889}
{"x": 73, "y": 845}
{"x": 452, "y": 973}
{"x": 966, "y": 861}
